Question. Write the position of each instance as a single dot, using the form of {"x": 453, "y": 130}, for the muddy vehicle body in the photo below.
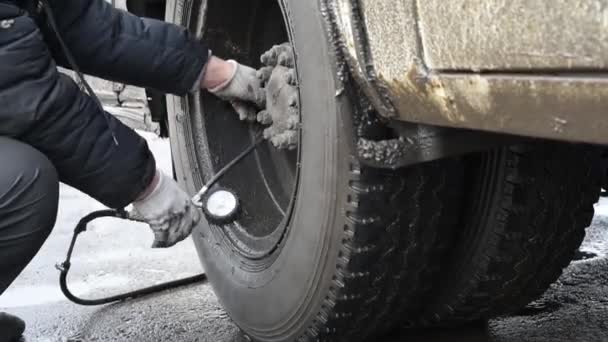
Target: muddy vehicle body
{"x": 448, "y": 158}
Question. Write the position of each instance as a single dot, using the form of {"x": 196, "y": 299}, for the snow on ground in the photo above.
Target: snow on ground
{"x": 112, "y": 256}
{"x": 596, "y": 240}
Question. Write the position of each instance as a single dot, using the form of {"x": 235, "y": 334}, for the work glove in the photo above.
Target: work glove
{"x": 169, "y": 212}
{"x": 243, "y": 90}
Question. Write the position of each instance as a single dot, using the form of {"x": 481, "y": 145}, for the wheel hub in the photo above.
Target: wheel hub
{"x": 265, "y": 183}
{"x": 282, "y": 100}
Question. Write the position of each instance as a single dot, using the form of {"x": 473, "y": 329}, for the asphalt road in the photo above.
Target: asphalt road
{"x": 114, "y": 257}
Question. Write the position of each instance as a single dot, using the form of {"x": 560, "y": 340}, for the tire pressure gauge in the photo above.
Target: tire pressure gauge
{"x": 221, "y": 206}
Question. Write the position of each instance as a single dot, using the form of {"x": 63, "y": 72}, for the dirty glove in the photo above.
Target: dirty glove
{"x": 243, "y": 90}
{"x": 169, "y": 212}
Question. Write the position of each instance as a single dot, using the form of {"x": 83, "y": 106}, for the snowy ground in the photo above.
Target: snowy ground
{"x": 112, "y": 255}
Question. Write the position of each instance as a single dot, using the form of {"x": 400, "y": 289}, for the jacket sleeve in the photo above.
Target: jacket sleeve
{"x": 118, "y": 46}
{"x": 47, "y": 110}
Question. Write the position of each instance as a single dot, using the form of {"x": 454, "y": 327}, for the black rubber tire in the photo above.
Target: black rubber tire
{"x": 363, "y": 244}
{"x": 529, "y": 207}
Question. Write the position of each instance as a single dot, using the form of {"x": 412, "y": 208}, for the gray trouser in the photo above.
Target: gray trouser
{"x": 29, "y": 193}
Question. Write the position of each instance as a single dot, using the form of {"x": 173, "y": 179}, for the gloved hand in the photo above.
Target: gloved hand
{"x": 169, "y": 212}
{"x": 243, "y": 90}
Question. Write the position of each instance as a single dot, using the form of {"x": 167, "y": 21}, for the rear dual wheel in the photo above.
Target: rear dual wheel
{"x": 328, "y": 249}
{"x": 526, "y": 214}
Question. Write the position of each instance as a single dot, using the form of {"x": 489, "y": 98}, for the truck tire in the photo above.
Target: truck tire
{"x": 356, "y": 245}
{"x": 528, "y": 210}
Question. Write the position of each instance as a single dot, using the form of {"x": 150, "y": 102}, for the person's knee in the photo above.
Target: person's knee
{"x": 29, "y": 190}
{"x": 29, "y": 193}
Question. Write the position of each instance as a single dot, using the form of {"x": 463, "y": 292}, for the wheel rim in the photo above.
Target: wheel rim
{"x": 265, "y": 183}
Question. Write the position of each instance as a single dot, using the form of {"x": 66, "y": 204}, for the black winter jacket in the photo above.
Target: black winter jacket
{"x": 47, "y": 110}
